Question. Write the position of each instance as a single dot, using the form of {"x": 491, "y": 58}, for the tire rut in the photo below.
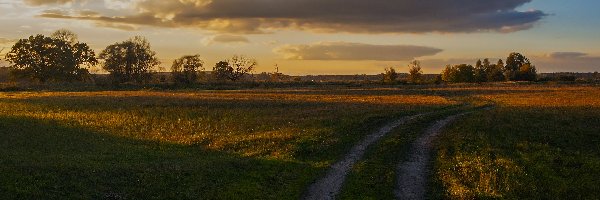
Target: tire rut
{"x": 330, "y": 185}
{"x": 413, "y": 173}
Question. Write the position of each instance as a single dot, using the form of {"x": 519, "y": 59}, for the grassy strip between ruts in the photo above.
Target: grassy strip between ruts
{"x": 521, "y": 153}
{"x": 375, "y": 176}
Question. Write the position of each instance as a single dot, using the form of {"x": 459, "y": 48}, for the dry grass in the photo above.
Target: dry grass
{"x": 545, "y": 97}
{"x": 184, "y": 145}
{"x": 248, "y": 122}
{"x": 539, "y": 142}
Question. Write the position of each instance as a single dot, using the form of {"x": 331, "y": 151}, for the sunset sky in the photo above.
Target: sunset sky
{"x": 328, "y": 36}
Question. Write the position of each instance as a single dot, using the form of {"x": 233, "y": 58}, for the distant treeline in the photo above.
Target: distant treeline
{"x": 516, "y": 68}
{"x": 62, "y": 58}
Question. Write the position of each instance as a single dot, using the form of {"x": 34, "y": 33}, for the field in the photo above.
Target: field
{"x": 541, "y": 143}
{"x": 536, "y": 141}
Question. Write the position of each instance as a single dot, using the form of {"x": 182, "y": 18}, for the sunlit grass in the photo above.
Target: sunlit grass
{"x": 537, "y": 97}
{"x": 218, "y": 144}
{"x": 539, "y": 141}
{"x": 249, "y": 123}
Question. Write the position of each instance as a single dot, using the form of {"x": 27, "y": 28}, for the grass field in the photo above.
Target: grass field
{"x": 215, "y": 144}
{"x": 540, "y": 143}
{"x": 272, "y": 143}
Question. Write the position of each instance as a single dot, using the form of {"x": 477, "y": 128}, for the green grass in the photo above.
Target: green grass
{"x": 374, "y": 177}
{"x": 184, "y": 145}
{"x": 517, "y": 153}
{"x": 540, "y": 142}
{"x": 44, "y": 160}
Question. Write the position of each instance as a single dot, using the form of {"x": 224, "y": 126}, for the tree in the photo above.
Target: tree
{"x": 513, "y": 71}
{"x": 415, "y": 73}
{"x": 480, "y": 70}
{"x": 500, "y": 63}
{"x": 527, "y": 72}
{"x": 234, "y": 68}
{"x": 65, "y": 35}
{"x": 494, "y": 72}
{"x": 222, "y": 70}
{"x": 185, "y": 69}
{"x": 448, "y": 74}
{"x": 465, "y": 73}
{"x": 130, "y": 60}
{"x": 45, "y": 59}
{"x": 462, "y": 73}
{"x": 390, "y": 75}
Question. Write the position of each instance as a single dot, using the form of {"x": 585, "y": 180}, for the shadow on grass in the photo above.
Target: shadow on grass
{"x": 45, "y": 160}
{"x": 332, "y": 127}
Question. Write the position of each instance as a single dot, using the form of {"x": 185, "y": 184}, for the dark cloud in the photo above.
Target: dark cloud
{"x": 110, "y": 22}
{"x": 356, "y": 16}
{"x": 354, "y": 51}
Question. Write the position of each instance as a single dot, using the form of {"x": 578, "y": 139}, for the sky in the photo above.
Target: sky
{"x": 304, "y": 37}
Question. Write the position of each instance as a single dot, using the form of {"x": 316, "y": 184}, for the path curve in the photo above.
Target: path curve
{"x": 330, "y": 185}
{"x": 412, "y": 174}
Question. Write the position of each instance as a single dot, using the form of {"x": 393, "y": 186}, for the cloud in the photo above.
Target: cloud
{"x": 565, "y": 55}
{"x": 228, "y": 39}
{"x": 5, "y": 41}
{"x": 89, "y": 13}
{"x": 567, "y": 62}
{"x": 354, "y": 51}
{"x": 120, "y": 4}
{"x": 46, "y": 2}
{"x": 354, "y": 16}
{"x": 110, "y": 22}
{"x": 124, "y": 27}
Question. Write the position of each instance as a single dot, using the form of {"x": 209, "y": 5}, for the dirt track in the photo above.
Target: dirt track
{"x": 329, "y": 186}
{"x": 412, "y": 174}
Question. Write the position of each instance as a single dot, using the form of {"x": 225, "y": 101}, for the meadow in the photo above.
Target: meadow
{"x": 540, "y": 143}
{"x": 273, "y": 143}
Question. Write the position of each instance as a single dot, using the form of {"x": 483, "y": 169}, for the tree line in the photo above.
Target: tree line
{"x": 60, "y": 57}
{"x": 517, "y": 68}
